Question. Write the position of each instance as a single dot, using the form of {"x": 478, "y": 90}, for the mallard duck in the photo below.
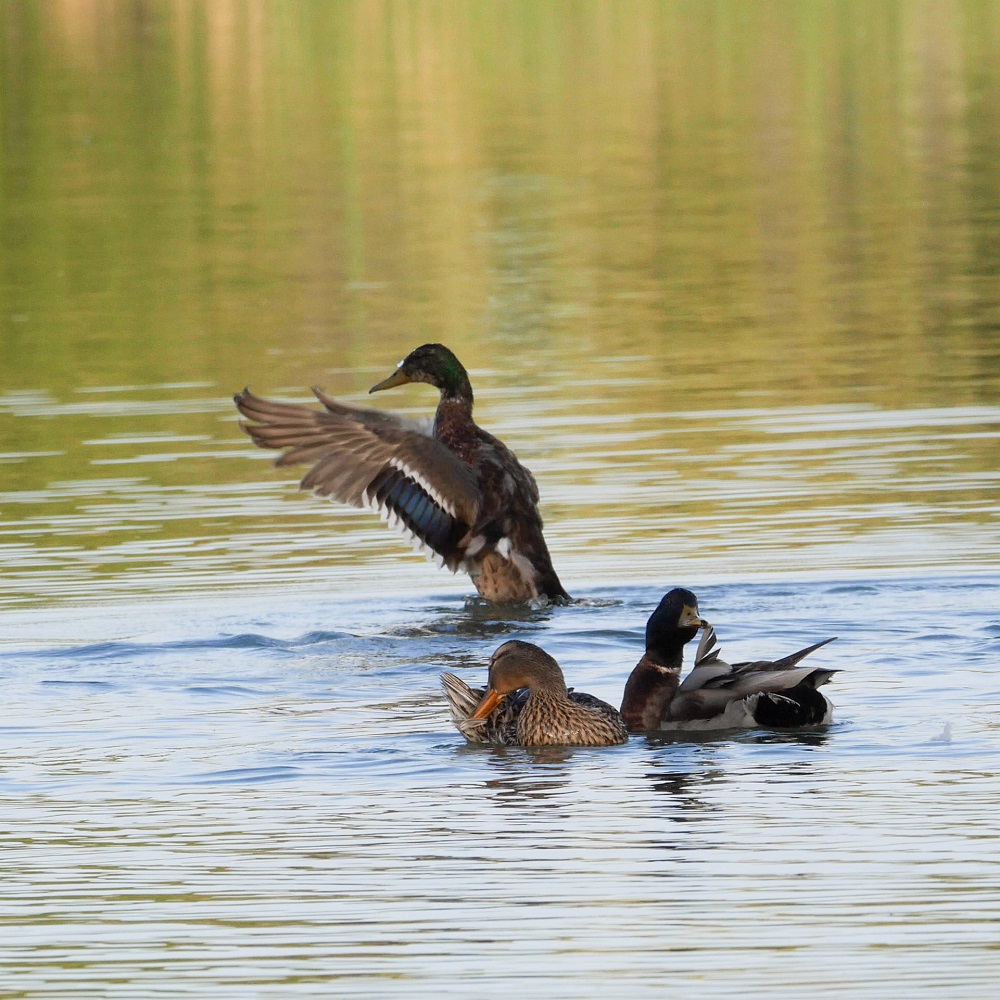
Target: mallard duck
{"x": 526, "y": 703}
{"x": 654, "y": 681}
{"x": 459, "y": 494}
{"x": 716, "y": 694}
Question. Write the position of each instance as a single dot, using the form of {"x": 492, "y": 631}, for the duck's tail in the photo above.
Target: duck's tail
{"x": 793, "y": 708}
{"x": 462, "y": 702}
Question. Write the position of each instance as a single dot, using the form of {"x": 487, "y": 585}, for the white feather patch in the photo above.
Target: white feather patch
{"x": 661, "y": 669}
{"x": 394, "y": 521}
{"x": 527, "y": 571}
{"x": 475, "y": 545}
{"x": 411, "y": 473}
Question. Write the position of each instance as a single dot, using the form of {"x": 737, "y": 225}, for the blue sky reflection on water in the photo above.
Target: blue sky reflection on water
{"x": 240, "y": 785}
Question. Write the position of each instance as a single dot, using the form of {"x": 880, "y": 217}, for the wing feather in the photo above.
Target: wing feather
{"x": 713, "y": 683}
{"x": 368, "y": 458}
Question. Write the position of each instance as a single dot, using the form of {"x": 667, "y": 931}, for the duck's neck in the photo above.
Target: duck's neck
{"x": 454, "y": 413}
{"x": 546, "y": 706}
{"x": 453, "y": 382}
{"x": 649, "y": 690}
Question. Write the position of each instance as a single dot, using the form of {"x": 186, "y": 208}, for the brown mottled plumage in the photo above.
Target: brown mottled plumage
{"x": 527, "y": 703}
{"x": 716, "y": 694}
{"x": 456, "y": 492}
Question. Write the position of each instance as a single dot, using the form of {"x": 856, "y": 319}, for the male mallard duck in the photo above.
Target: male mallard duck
{"x": 456, "y": 492}
{"x": 547, "y": 713}
{"x": 654, "y": 681}
{"x": 716, "y": 694}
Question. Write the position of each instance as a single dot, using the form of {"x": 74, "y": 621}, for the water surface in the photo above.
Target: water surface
{"x": 724, "y": 277}
{"x": 234, "y": 799}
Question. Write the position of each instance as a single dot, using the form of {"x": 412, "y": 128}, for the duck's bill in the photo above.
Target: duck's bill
{"x": 396, "y": 378}
{"x": 490, "y": 701}
{"x": 690, "y": 618}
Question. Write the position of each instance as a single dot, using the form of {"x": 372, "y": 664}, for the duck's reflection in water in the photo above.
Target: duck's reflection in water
{"x": 686, "y": 789}
{"x": 697, "y": 788}
{"x": 529, "y": 776}
{"x": 720, "y": 738}
{"x": 682, "y": 778}
{"x": 800, "y": 738}
{"x": 478, "y": 619}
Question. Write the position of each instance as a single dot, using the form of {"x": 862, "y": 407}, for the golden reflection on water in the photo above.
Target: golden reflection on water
{"x": 787, "y": 199}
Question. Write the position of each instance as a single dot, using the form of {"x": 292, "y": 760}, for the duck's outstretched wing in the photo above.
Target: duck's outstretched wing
{"x": 375, "y": 460}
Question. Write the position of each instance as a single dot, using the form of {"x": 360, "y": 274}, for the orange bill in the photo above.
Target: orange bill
{"x": 490, "y": 701}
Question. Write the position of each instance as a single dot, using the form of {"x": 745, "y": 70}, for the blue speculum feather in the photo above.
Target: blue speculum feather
{"x": 419, "y": 511}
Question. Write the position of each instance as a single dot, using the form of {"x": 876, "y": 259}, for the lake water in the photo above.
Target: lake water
{"x": 725, "y": 277}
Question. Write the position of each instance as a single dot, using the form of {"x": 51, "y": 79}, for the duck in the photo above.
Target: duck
{"x": 526, "y": 703}
{"x": 458, "y": 493}
{"x": 775, "y": 694}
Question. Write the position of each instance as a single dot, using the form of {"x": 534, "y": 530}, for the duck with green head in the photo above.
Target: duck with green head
{"x": 716, "y": 695}
{"x": 458, "y": 493}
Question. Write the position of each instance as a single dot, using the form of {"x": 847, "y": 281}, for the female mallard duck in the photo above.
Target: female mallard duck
{"x": 716, "y": 694}
{"x": 526, "y": 703}
{"x": 456, "y": 492}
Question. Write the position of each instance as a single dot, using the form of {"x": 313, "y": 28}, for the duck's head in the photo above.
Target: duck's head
{"x": 516, "y": 665}
{"x": 434, "y": 364}
{"x": 675, "y": 622}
